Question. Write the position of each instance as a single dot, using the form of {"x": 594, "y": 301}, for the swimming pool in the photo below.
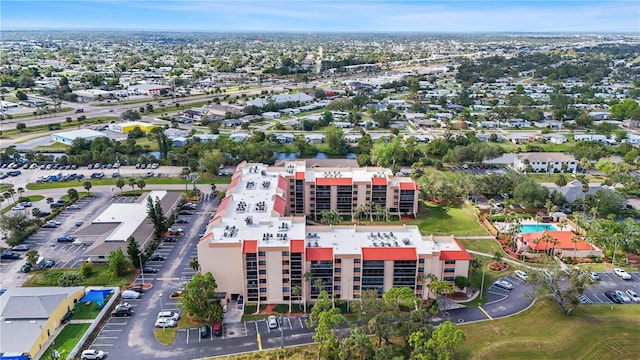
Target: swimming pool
{"x": 530, "y": 228}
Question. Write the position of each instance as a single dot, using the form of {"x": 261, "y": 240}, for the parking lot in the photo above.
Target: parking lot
{"x": 610, "y": 281}
{"x": 481, "y": 170}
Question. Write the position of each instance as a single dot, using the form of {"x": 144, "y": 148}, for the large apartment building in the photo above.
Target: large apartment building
{"x": 258, "y": 243}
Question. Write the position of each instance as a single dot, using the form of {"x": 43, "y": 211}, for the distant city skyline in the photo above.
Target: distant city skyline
{"x": 326, "y": 16}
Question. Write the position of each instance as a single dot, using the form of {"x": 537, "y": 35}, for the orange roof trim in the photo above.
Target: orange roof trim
{"x": 297, "y": 246}
{"x": 408, "y": 185}
{"x": 319, "y": 254}
{"x": 379, "y": 181}
{"x": 390, "y": 254}
{"x": 334, "y": 181}
{"x": 250, "y": 246}
{"x": 300, "y": 175}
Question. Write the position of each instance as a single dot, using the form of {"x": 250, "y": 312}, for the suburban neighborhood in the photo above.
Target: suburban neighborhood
{"x": 188, "y": 195}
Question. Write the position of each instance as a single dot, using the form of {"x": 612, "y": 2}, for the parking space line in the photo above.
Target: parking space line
{"x": 301, "y": 323}
{"x": 485, "y": 312}
{"x": 94, "y": 344}
{"x": 259, "y": 342}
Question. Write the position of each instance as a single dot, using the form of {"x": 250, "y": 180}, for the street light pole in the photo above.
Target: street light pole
{"x": 482, "y": 282}
{"x": 141, "y": 270}
{"x": 281, "y": 332}
{"x": 162, "y": 310}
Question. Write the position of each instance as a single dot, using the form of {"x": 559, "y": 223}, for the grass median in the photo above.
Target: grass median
{"x": 66, "y": 340}
{"x": 591, "y": 332}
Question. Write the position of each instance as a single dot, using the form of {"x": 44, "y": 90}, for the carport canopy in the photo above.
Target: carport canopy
{"x": 97, "y": 296}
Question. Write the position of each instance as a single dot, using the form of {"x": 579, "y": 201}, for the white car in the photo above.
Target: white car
{"x": 17, "y": 208}
{"x": 169, "y": 315}
{"x": 633, "y": 295}
{"x": 92, "y": 354}
{"x": 130, "y": 294}
{"x": 622, "y": 274}
{"x": 165, "y": 323}
{"x": 503, "y": 284}
{"x": 521, "y": 275}
{"x": 623, "y": 296}
{"x": 272, "y": 321}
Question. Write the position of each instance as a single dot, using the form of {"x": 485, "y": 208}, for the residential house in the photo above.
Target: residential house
{"x": 285, "y": 138}
{"x": 555, "y": 138}
{"x": 232, "y": 122}
{"x": 574, "y": 191}
{"x": 557, "y": 243}
{"x": 271, "y": 115}
{"x": 314, "y": 138}
{"x": 602, "y": 139}
{"x": 239, "y": 136}
{"x": 545, "y": 162}
{"x": 521, "y": 138}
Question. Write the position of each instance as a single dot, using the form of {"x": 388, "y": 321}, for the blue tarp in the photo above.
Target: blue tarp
{"x": 97, "y": 296}
{"x": 15, "y": 357}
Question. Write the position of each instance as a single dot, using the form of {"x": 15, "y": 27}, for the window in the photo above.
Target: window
{"x": 356, "y": 269}
{"x": 262, "y": 272}
{"x": 356, "y": 278}
{"x": 286, "y": 289}
{"x": 262, "y": 263}
{"x": 285, "y": 253}
{"x": 449, "y": 261}
{"x": 261, "y": 253}
{"x": 263, "y": 289}
{"x": 421, "y": 261}
{"x": 337, "y": 287}
{"x": 337, "y": 261}
{"x": 420, "y": 269}
{"x": 285, "y": 262}
{"x": 285, "y": 281}
{"x": 336, "y": 278}
{"x": 449, "y": 270}
{"x": 338, "y": 270}
{"x": 356, "y": 261}
{"x": 285, "y": 271}
{"x": 356, "y": 287}
{"x": 419, "y": 287}
{"x": 263, "y": 281}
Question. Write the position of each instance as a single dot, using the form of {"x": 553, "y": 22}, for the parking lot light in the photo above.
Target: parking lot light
{"x": 162, "y": 310}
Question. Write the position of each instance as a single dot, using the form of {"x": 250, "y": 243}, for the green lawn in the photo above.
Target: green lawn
{"x": 110, "y": 181}
{"x": 591, "y": 332}
{"x": 66, "y": 340}
{"x": 91, "y": 311}
{"x": 100, "y": 277}
{"x": 487, "y": 246}
{"x": 460, "y": 221}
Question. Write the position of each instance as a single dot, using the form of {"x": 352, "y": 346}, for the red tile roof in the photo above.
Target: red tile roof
{"x": 279, "y": 205}
{"x": 564, "y": 237}
{"x": 224, "y": 203}
{"x": 297, "y": 246}
{"x": 379, "y": 181}
{"x": 300, "y": 175}
{"x": 408, "y": 185}
{"x": 250, "y": 246}
{"x": 319, "y": 254}
{"x": 334, "y": 181}
{"x": 282, "y": 183}
{"x": 234, "y": 182}
{"x": 375, "y": 253}
{"x": 461, "y": 254}
{"x": 206, "y": 237}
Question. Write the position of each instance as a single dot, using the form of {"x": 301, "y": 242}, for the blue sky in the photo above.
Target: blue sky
{"x": 326, "y": 16}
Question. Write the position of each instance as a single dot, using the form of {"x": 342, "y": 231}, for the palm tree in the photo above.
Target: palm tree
{"x": 141, "y": 184}
{"x": 547, "y": 239}
{"x": 120, "y": 184}
{"x": 538, "y": 220}
{"x": 548, "y": 205}
{"x": 49, "y": 200}
{"x": 296, "y": 291}
{"x": 20, "y": 191}
{"x": 32, "y": 257}
{"x": 132, "y": 183}
{"x": 492, "y": 203}
{"x": 194, "y": 264}
{"x": 563, "y": 223}
{"x": 575, "y": 240}
{"x": 319, "y": 285}
{"x": 307, "y": 279}
{"x": 11, "y": 192}
{"x": 87, "y": 185}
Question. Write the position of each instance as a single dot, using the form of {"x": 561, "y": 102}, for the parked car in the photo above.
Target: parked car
{"x": 205, "y": 331}
{"x": 136, "y": 287}
{"x": 186, "y": 212}
{"x": 130, "y": 294}
{"x": 633, "y": 295}
{"x": 156, "y": 257}
{"x": 17, "y": 208}
{"x": 21, "y": 247}
{"x": 611, "y": 295}
{"x": 165, "y": 323}
{"x": 169, "y": 315}
{"x": 175, "y": 230}
{"x": 49, "y": 264}
{"x": 92, "y": 354}
{"x": 170, "y": 239}
{"x": 49, "y": 225}
{"x": 66, "y": 238}
{"x": 149, "y": 269}
{"x": 217, "y": 329}
{"x": 9, "y": 255}
{"x": 56, "y": 205}
{"x": 521, "y": 275}
{"x": 79, "y": 223}
{"x": 26, "y": 268}
{"x": 503, "y": 284}
{"x": 26, "y": 204}
{"x": 122, "y": 309}
{"x": 622, "y": 295}
{"x": 240, "y": 301}
{"x": 181, "y": 221}
{"x": 272, "y": 321}
{"x": 622, "y": 274}
{"x": 594, "y": 276}
{"x": 73, "y": 207}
